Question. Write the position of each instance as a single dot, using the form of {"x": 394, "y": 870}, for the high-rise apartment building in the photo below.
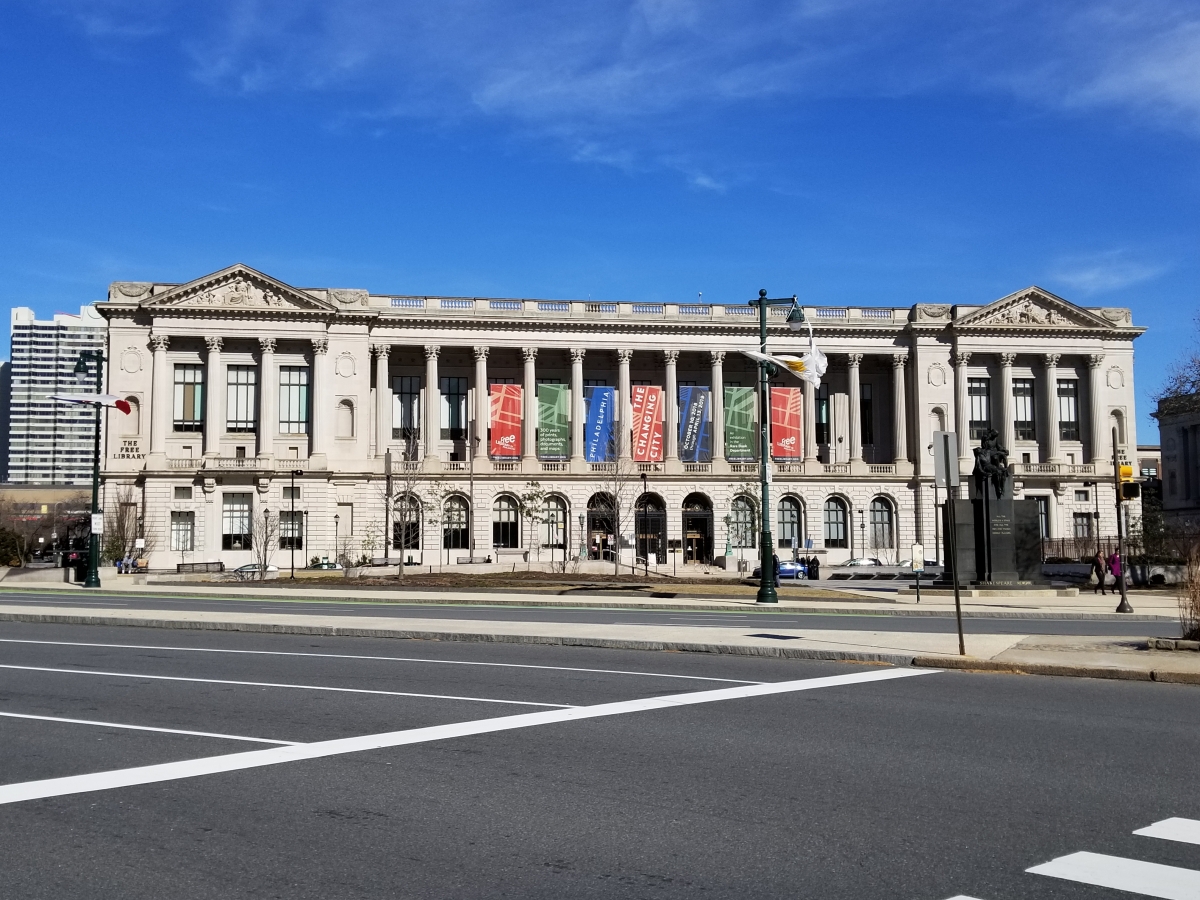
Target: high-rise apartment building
{"x": 49, "y": 442}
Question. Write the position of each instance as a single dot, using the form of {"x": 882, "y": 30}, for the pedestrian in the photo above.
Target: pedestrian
{"x": 1099, "y": 570}
{"x": 775, "y": 567}
{"x": 814, "y": 569}
{"x": 1114, "y": 566}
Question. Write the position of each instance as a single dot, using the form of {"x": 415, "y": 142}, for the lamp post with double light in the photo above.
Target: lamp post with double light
{"x": 93, "y": 570}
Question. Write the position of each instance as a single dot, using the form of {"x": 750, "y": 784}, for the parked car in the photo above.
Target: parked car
{"x": 787, "y": 569}
{"x": 249, "y": 572}
{"x": 860, "y": 561}
{"x": 929, "y": 564}
{"x": 326, "y": 565}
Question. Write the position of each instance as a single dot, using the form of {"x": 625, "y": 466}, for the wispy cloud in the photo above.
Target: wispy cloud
{"x": 1102, "y": 272}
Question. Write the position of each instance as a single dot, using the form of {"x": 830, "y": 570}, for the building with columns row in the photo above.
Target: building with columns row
{"x": 242, "y": 385}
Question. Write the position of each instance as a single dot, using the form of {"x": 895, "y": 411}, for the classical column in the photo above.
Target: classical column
{"x": 214, "y": 427}
{"x": 1052, "y": 451}
{"x": 432, "y": 411}
{"x": 717, "y": 380}
{"x": 625, "y": 426}
{"x": 268, "y": 386}
{"x": 855, "y": 390}
{"x": 962, "y": 410}
{"x": 577, "y": 403}
{"x": 320, "y": 403}
{"x": 529, "y": 422}
{"x": 1008, "y": 434}
{"x": 810, "y": 426}
{"x": 383, "y": 399}
{"x": 161, "y": 411}
{"x": 899, "y": 416}
{"x": 672, "y": 357}
{"x": 1100, "y": 448}
{"x": 482, "y": 410}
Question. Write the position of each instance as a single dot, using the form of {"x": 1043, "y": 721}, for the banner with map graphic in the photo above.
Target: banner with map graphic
{"x": 504, "y": 420}
{"x": 554, "y": 421}
{"x": 786, "y": 438}
{"x": 741, "y": 437}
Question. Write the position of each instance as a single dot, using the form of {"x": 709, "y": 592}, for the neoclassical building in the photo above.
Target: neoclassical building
{"x": 509, "y": 425}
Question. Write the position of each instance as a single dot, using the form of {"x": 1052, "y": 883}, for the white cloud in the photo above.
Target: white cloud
{"x": 1102, "y": 272}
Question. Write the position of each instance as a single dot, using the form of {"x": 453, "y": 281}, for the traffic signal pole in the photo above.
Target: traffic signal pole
{"x": 1124, "y": 606}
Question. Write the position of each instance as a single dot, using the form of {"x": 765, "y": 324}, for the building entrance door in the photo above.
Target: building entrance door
{"x": 651, "y": 527}
{"x": 601, "y": 533}
{"x": 697, "y": 529}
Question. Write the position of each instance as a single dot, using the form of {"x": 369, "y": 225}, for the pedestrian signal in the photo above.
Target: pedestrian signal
{"x": 1127, "y": 473}
{"x": 1131, "y": 490}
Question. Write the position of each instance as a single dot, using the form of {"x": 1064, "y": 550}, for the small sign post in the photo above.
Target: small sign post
{"x": 918, "y": 566}
{"x": 946, "y": 474}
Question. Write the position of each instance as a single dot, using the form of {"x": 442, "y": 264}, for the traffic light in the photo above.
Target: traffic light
{"x": 1126, "y": 473}
{"x": 1130, "y": 490}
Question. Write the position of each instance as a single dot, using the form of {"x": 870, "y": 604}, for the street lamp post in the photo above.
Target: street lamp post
{"x": 862, "y": 533}
{"x": 292, "y": 522}
{"x": 582, "y": 539}
{"x": 766, "y": 584}
{"x": 646, "y": 558}
{"x": 93, "y": 572}
{"x": 336, "y": 523}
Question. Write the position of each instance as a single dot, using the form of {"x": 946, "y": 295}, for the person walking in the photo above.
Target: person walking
{"x": 1114, "y": 566}
{"x": 775, "y": 567}
{"x": 814, "y": 569}
{"x": 1099, "y": 570}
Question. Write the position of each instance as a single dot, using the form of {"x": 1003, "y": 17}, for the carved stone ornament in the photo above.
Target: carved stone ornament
{"x": 131, "y": 290}
{"x": 854, "y": 360}
{"x": 932, "y": 312}
{"x": 267, "y": 345}
{"x": 159, "y": 342}
{"x": 1116, "y": 378}
{"x": 671, "y": 357}
{"x": 214, "y": 344}
{"x": 238, "y": 287}
{"x": 529, "y": 353}
{"x": 320, "y": 345}
{"x": 577, "y": 354}
{"x": 624, "y": 356}
{"x": 349, "y": 297}
{"x": 1031, "y": 308}
{"x": 1116, "y": 315}
{"x": 481, "y": 353}
{"x": 131, "y": 361}
{"x": 432, "y": 351}
{"x": 936, "y": 375}
{"x": 717, "y": 356}
{"x": 345, "y": 365}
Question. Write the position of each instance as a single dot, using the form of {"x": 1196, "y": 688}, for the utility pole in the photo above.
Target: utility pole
{"x": 1123, "y": 606}
{"x": 93, "y": 571}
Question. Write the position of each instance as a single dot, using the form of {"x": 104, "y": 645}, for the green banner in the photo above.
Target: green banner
{"x": 554, "y": 421}
{"x": 740, "y": 432}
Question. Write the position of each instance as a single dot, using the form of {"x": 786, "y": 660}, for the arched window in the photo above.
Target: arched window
{"x": 344, "y": 419}
{"x": 506, "y": 522}
{"x": 132, "y": 423}
{"x": 741, "y": 524}
{"x": 835, "y": 523}
{"x": 456, "y": 518}
{"x": 791, "y": 524}
{"x": 406, "y": 523}
{"x": 554, "y": 523}
{"x": 883, "y": 530}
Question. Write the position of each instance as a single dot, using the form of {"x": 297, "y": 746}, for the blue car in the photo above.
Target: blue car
{"x": 787, "y": 569}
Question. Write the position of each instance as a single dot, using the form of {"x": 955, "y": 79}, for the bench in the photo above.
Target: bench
{"x": 182, "y": 568}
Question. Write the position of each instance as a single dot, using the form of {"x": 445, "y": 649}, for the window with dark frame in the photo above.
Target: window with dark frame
{"x": 291, "y": 529}
{"x": 454, "y": 407}
{"x": 183, "y": 531}
{"x": 835, "y": 515}
{"x": 979, "y": 402}
{"x": 1082, "y": 522}
{"x": 406, "y": 523}
{"x": 1068, "y": 409}
{"x": 506, "y": 523}
{"x": 742, "y": 525}
{"x": 1024, "y": 414}
{"x": 293, "y": 399}
{"x": 882, "y": 524}
{"x": 455, "y": 524}
{"x": 789, "y": 524}
{"x": 823, "y": 414}
{"x": 866, "y": 417}
{"x": 235, "y": 522}
{"x": 406, "y": 407}
{"x": 189, "y": 398}
{"x": 241, "y": 398}
{"x": 1043, "y": 507}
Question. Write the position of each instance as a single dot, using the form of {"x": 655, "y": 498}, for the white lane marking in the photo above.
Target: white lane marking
{"x": 1186, "y": 831}
{"x": 270, "y": 684}
{"x": 1132, "y": 875}
{"x": 412, "y": 659}
{"x": 192, "y": 768}
{"x": 211, "y": 734}
{"x": 962, "y": 897}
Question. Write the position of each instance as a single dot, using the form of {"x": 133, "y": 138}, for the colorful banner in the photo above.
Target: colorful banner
{"x": 504, "y": 421}
{"x": 786, "y": 440}
{"x": 647, "y": 423}
{"x": 600, "y": 403}
{"x": 695, "y": 421}
{"x": 741, "y": 439}
{"x": 554, "y": 421}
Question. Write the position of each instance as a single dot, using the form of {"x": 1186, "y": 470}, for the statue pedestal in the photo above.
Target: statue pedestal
{"x": 998, "y": 542}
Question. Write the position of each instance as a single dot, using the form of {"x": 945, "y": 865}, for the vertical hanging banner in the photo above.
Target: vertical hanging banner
{"x": 695, "y": 425}
{"x": 554, "y": 421}
{"x": 504, "y": 420}
{"x": 647, "y": 423}
{"x": 786, "y": 440}
{"x": 740, "y": 434}
{"x": 598, "y": 428}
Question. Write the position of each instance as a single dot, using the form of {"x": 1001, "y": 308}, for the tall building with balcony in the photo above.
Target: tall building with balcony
{"x": 443, "y": 430}
{"x": 51, "y": 443}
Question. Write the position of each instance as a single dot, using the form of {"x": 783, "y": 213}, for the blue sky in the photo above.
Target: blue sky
{"x": 849, "y": 151}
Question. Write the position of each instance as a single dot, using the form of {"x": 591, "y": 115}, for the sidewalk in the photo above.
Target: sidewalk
{"x": 1086, "y": 656}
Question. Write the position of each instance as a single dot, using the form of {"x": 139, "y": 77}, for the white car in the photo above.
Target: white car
{"x": 249, "y": 572}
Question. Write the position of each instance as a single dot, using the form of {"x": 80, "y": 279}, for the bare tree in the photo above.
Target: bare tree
{"x": 26, "y": 522}
{"x": 264, "y": 534}
{"x": 122, "y": 527}
{"x": 621, "y": 484}
{"x": 532, "y": 505}
{"x": 407, "y": 477}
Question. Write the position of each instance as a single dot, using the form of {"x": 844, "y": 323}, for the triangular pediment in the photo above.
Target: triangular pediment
{"x": 237, "y": 288}
{"x": 1032, "y": 308}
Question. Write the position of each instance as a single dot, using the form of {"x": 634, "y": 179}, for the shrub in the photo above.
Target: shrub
{"x": 1189, "y": 600}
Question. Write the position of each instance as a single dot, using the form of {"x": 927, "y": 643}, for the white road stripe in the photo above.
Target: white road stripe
{"x": 962, "y": 897}
{"x": 411, "y": 659}
{"x": 1132, "y": 875}
{"x": 78, "y": 784}
{"x": 211, "y": 734}
{"x": 270, "y": 684}
{"x": 1186, "y": 831}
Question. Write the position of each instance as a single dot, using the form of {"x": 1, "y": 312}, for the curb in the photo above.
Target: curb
{"x": 971, "y": 664}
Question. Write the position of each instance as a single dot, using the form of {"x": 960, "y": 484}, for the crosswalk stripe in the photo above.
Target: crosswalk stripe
{"x": 963, "y": 897}
{"x": 1186, "y": 831}
{"x": 1132, "y": 875}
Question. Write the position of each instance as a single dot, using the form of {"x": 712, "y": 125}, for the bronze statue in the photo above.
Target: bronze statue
{"x": 991, "y": 464}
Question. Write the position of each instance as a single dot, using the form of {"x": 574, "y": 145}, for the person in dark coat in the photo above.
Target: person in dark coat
{"x": 775, "y": 567}
{"x": 814, "y": 569}
{"x": 1100, "y": 570}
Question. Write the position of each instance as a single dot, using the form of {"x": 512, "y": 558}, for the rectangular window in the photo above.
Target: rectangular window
{"x": 183, "y": 530}
{"x": 235, "y": 522}
{"x": 979, "y": 400}
{"x": 293, "y": 399}
{"x": 290, "y": 494}
{"x": 406, "y": 407}
{"x": 1023, "y": 409}
{"x": 189, "y": 398}
{"x": 241, "y": 398}
{"x": 823, "y": 414}
{"x": 291, "y": 529}
{"x": 1043, "y": 504}
{"x": 603, "y": 382}
{"x": 454, "y": 408}
{"x": 866, "y": 419}
{"x": 1082, "y": 497}
{"x": 183, "y": 493}
{"x": 1068, "y": 409}
{"x": 1082, "y": 523}
{"x": 345, "y": 519}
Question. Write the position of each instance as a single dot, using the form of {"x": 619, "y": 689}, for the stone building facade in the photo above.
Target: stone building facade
{"x": 326, "y": 387}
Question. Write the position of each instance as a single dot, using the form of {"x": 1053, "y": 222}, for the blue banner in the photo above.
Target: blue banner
{"x": 695, "y": 424}
{"x": 600, "y": 403}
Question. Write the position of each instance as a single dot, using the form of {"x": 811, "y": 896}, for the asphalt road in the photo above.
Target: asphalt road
{"x": 927, "y": 786}
{"x": 883, "y": 621}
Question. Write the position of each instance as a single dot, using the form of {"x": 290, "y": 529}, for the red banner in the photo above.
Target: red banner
{"x": 504, "y": 420}
{"x": 647, "y": 423}
{"x": 786, "y": 440}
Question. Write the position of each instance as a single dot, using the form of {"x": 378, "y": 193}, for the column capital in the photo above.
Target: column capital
{"x": 159, "y": 341}
{"x": 854, "y": 359}
{"x": 381, "y": 350}
{"x": 481, "y": 353}
{"x": 529, "y": 353}
{"x": 624, "y": 355}
{"x": 1095, "y": 360}
{"x": 899, "y": 360}
{"x": 320, "y": 345}
{"x": 717, "y": 356}
{"x": 1051, "y": 359}
{"x": 1007, "y": 359}
{"x": 214, "y": 344}
{"x": 670, "y": 357}
{"x": 577, "y": 354}
{"x": 961, "y": 360}
{"x": 267, "y": 345}
{"x": 432, "y": 351}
